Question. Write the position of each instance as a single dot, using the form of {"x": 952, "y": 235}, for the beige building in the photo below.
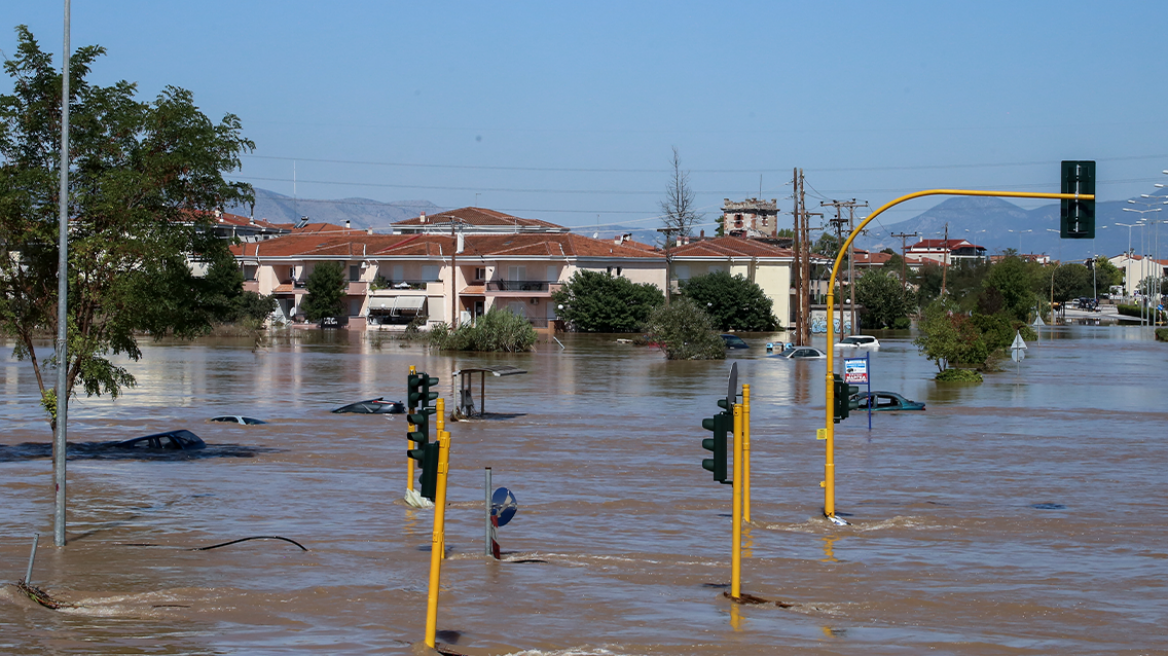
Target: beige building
{"x": 766, "y": 265}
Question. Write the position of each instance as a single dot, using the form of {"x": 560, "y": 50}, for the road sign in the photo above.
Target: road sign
{"x": 1018, "y": 348}
{"x": 503, "y": 506}
{"x": 856, "y": 370}
{"x": 732, "y": 386}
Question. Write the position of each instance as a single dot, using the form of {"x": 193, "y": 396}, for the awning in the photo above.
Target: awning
{"x": 410, "y": 304}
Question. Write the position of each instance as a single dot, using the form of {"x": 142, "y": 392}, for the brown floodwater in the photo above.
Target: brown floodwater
{"x": 1025, "y": 515}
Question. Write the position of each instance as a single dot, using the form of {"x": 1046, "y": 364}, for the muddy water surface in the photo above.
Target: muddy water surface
{"x": 1022, "y": 516}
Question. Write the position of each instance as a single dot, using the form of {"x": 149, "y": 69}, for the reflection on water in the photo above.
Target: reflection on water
{"x": 1002, "y": 519}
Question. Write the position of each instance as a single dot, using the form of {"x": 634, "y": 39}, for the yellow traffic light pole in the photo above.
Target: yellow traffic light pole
{"x": 438, "y": 539}
{"x": 410, "y": 443}
{"x": 828, "y": 482}
{"x": 746, "y": 453}
{"x": 736, "y": 514}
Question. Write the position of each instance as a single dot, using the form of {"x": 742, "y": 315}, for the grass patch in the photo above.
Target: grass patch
{"x": 959, "y": 376}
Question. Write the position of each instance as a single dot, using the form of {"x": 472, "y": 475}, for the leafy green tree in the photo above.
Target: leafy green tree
{"x": 144, "y": 178}
{"x": 685, "y": 332}
{"x": 326, "y": 291}
{"x": 733, "y": 302}
{"x": 949, "y": 336}
{"x": 886, "y": 302}
{"x": 928, "y": 281}
{"x": 1107, "y": 274}
{"x": 827, "y": 244}
{"x": 1071, "y": 281}
{"x": 595, "y": 302}
{"x": 1015, "y": 281}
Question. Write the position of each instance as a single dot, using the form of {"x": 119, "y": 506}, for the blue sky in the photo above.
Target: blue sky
{"x": 568, "y": 111}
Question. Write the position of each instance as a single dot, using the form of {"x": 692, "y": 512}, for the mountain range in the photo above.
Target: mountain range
{"x": 994, "y": 223}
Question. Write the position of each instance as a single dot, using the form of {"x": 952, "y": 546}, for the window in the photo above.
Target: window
{"x": 430, "y": 272}
{"x": 682, "y": 271}
{"x": 399, "y": 273}
{"x": 480, "y": 274}
{"x": 354, "y": 273}
{"x": 249, "y": 272}
{"x": 517, "y": 272}
{"x": 553, "y": 274}
{"x": 715, "y": 268}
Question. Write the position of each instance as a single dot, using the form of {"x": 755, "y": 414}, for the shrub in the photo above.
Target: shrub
{"x": 685, "y": 332}
{"x": 959, "y": 376}
{"x": 497, "y": 330}
{"x": 732, "y": 302}
{"x": 595, "y": 302}
{"x": 1162, "y": 334}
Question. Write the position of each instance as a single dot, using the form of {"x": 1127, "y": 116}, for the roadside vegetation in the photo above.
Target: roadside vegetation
{"x": 684, "y": 331}
{"x": 326, "y": 292}
{"x": 497, "y": 330}
{"x": 594, "y": 302}
{"x": 732, "y": 302}
{"x": 145, "y": 177}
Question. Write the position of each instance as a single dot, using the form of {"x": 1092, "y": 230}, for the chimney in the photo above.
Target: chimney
{"x": 369, "y": 230}
{"x": 422, "y": 218}
{"x": 460, "y": 243}
{"x": 348, "y": 224}
{"x": 702, "y": 235}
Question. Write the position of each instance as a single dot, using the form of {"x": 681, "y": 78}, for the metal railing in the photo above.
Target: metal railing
{"x": 520, "y": 285}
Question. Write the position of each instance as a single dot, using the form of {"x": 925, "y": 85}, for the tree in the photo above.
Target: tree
{"x": 1071, "y": 281}
{"x": 949, "y": 336}
{"x": 1016, "y": 282}
{"x": 677, "y": 210}
{"x": 733, "y": 302}
{"x": 685, "y": 332}
{"x": 886, "y": 302}
{"x": 497, "y": 330}
{"x": 326, "y": 291}
{"x": 1107, "y": 274}
{"x": 595, "y": 302}
{"x": 144, "y": 178}
{"x": 827, "y": 244}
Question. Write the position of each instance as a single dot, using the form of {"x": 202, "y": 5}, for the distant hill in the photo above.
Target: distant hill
{"x": 988, "y": 222}
{"x": 362, "y": 212}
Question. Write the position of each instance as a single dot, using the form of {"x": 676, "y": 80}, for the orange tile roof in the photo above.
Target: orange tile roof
{"x": 730, "y": 247}
{"x": 355, "y": 243}
{"x": 476, "y": 216}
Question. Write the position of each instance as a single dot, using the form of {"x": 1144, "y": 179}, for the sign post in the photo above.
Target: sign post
{"x": 856, "y": 372}
{"x": 1018, "y": 350}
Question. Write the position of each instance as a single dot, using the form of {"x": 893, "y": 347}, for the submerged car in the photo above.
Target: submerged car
{"x": 176, "y": 440}
{"x": 801, "y": 353}
{"x": 885, "y": 401}
{"x": 378, "y": 406}
{"x": 859, "y": 342}
{"x": 238, "y": 419}
{"x": 734, "y": 341}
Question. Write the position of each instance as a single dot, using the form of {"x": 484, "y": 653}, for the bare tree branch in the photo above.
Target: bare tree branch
{"x": 678, "y": 211}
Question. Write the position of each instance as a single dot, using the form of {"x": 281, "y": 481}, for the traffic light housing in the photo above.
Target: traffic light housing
{"x": 843, "y": 404}
{"x": 720, "y": 424}
{"x": 1077, "y": 217}
{"x": 420, "y": 419}
{"x": 427, "y": 456}
{"x": 418, "y": 390}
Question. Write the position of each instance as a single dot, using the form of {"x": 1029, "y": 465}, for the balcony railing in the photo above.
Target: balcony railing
{"x": 520, "y": 285}
{"x": 405, "y": 284}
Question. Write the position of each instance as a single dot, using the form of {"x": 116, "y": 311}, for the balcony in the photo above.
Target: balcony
{"x": 544, "y": 286}
{"x": 406, "y": 284}
{"x": 251, "y": 286}
{"x": 357, "y": 288}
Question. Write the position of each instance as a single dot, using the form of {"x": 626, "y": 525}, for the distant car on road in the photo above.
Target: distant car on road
{"x": 885, "y": 401}
{"x": 734, "y": 341}
{"x": 801, "y": 353}
{"x": 238, "y": 419}
{"x": 176, "y": 440}
{"x": 859, "y": 342}
{"x": 378, "y": 406}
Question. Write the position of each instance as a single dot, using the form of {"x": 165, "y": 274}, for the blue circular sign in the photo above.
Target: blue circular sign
{"x": 503, "y": 505}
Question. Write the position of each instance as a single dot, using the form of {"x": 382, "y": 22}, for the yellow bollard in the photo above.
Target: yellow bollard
{"x": 736, "y": 555}
{"x": 440, "y": 430}
{"x": 438, "y": 540}
{"x": 410, "y": 443}
{"x": 746, "y": 453}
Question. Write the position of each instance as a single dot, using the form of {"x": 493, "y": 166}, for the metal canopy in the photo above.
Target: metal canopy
{"x": 466, "y": 407}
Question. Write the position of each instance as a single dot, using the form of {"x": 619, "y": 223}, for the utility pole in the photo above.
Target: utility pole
{"x": 668, "y": 232}
{"x": 945, "y": 269}
{"x": 800, "y": 254}
{"x": 903, "y": 257}
{"x": 851, "y": 205}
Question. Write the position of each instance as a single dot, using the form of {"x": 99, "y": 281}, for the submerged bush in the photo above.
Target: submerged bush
{"x": 497, "y": 330}
{"x": 1162, "y": 334}
{"x": 959, "y": 376}
{"x": 685, "y": 332}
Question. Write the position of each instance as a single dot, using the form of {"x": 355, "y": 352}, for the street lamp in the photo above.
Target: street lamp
{"x": 1019, "y": 238}
{"x": 1060, "y": 242}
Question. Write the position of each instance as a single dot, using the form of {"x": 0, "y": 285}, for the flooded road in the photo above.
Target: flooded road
{"x": 1026, "y": 515}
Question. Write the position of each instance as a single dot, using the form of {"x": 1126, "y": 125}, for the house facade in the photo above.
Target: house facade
{"x": 752, "y": 217}
{"x": 946, "y": 251}
{"x": 449, "y": 268}
{"x": 766, "y": 265}
{"x": 1136, "y": 268}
